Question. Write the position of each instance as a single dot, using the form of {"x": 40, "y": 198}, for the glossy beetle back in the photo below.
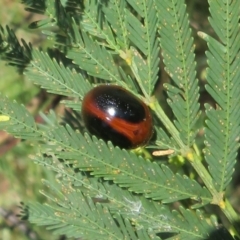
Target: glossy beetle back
{"x": 112, "y": 113}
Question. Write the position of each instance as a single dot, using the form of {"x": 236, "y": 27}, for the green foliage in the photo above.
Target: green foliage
{"x": 223, "y": 85}
{"x": 178, "y": 56}
{"x": 54, "y": 77}
{"x": 12, "y": 51}
{"x": 104, "y": 192}
{"x": 92, "y": 58}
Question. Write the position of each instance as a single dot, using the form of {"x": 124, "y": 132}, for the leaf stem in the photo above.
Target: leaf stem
{"x": 134, "y": 69}
{"x": 191, "y": 155}
{"x": 232, "y": 216}
{"x": 154, "y": 105}
{"x": 194, "y": 158}
{"x": 196, "y": 163}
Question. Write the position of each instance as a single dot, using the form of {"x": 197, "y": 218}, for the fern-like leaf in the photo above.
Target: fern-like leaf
{"x": 115, "y": 13}
{"x": 78, "y": 215}
{"x": 91, "y": 57}
{"x": 94, "y": 23}
{"x": 107, "y": 21}
{"x": 143, "y": 35}
{"x": 54, "y": 77}
{"x": 19, "y": 121}
{"x": 107, "y": 207}
{"x": 78, "y": 224}
{"x": 11, "y": 50}
{"x": 128, "y": 30}
{"x": 75, "y": 214}
{"x": 127, "y": 169}
{"x": 177, "y": 47}
{"x": 223, "y": 126}
{"x": 165, "y": 142}
{"x": 48, "y": 7}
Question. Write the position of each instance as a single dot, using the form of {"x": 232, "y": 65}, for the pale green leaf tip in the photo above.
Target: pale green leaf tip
{"x": 4, "y": 118}
{"x": 202, "y": 35}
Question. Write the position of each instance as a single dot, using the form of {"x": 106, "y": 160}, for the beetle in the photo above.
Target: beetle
{"x": 112, "y": 113}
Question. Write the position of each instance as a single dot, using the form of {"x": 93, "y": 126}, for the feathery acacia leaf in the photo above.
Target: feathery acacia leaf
{"x": 105, "y": 22}
{"x": 46, "y": 7}
{"x": 104, "y": 192}
{"x": 223, "y": 126}
{"x": 127, "y": 170}
{"x": 92, "y": 58}
{"x": 93, "y": 22}
{"x": 143, "y": 35}
{"x": 164, "y": 141}
{"x": 89, "y": 220}
{"x": 20, "y": 122}
{"x": 54, "y": 77}
{"x": 106, "y": 206}
{"x": 50, "y": 10}
{"x": 115, "y": 13}
{"x": 177, "y": 47}
{"x": 12, "y": 51}
{"x": 127, "y": 27}
{"x": 76, "y": 214}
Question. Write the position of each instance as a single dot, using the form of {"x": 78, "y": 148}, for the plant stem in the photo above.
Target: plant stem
{"x": 167, "y": 123}
{"x": 195, "y": 160}
{"x": 134, "y": 69}
{"x": 192, "y": 157}
{"x": 232, "y": 216}
{"x": 196, "y": 163}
